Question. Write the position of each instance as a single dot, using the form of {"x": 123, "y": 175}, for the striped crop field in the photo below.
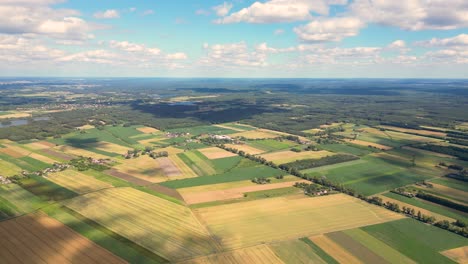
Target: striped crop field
{"x": 261, "y": 254}
{"x": 38, "y": 238}
{"x": 77, "y": 182}
{"x": 254, "y": 222}
{"x": 168, "y": 229}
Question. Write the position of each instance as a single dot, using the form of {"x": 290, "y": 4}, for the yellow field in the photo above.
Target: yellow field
{"x": 85, "y": 127}
{"x": 38, "y": 238}
{"x": 143, "y": 167}
{"x": 312, "y": 131}
{"x": 231, "y": 128}
{"x": 80, "y": 152}
{"x": 168, "y": 229}
{"x": 147, "y": 130}
{"x": 254, "y": 222}
{"x": 367, "y": 143}
{"x": 403, "y": 136}
{"x": 39, "y": 145}
{"x": 257, "y": 134}
{"x": 450, "y": 192}
{"x": 460, "y": 254}
{"x": 259, "y": 254}
{"x": 15, "y": 151}
{"x": 186, "y": 171}
{"x": 187, "y": 98}
{"x": 42, "y": 158}
{"x": 422, "y": 210}
{"x": 233, "y": 193}
{"x": 462, "y": 126}
{"x": 330, "y": 125}
{"x": 8, "y": 169}
{"x": 416, "y": 131}
{"x": 110, "y": 147}
{"x": 229, "y": 185}
{"x": 216, "y": 153}
{"x": 77, "y": 182}
{"x": 286, "y": 156}
{"x": 15, "y": 115}
{"x": 246, "y": 148}
{"x": 333, "y": 249}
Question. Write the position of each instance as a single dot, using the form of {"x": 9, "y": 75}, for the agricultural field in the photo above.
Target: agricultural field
{"x": 420, "y": 242}
{"x": 246, "y": 148}
{"x": 147, "y": 130}
{"x": 237, "y": 126}
{"x": 37, "y": 238}
{"x": 199, "y": 130}
{"x": 421, "y": 132}
{"x": 216, "y": 153}
{"x": 249, "y": 223}
{"x": 192, "y": 197}
{"x": 286, "y": 156}
{"x": 154, "y": 170}
{"x": 258, "y": 134}
{"x": 210, "y": 161}
{"x": 432, "y": 207}
{"x": 236, "y": 174}
{"x": 296, "y": 251}
{"x": 176, "y": 235}
{"x": 271, "y": 144}
{"x": 371, "y": 175}
{"x": 257, "y": 254}
{"x": 77, "y": 182}
{"x": 9, "y": 169}
{"x": 399, "y": 241}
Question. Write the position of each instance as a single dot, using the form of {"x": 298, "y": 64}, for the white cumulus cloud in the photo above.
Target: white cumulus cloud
{"x": 414, "y": 14}
{"x": 110, "y": 13}
{"x": 277, "y": 11}
{"x": 222, "y": 10}
{"x": 329, "y": 29}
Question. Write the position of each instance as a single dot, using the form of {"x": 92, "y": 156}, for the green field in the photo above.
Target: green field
{"x": 7, "y": 209}
{"x": 271, "y": 144}
{"x": 239, "y": 126}
{"x": 296, "y": 251}
{"x": 346, "y": 148}
{"x": 25, "y": 163}
{"x": 459, "y": 185}
{"x": 46, "y": 189}
{"x": 416, "y": 240}
{"x": 388, "y": 253}
{"x": 104, "y": 237}
{"x": 272, "y": 193}
{"x": 203, "y": 166}
{"x": 439, "y": 209}
{"x": 322, "y": 254}
{"x": 118, "y": 135}
{"x": 237, "y": 174}
{"x": 370, "y": 177}
{"x": 24, "y": 201}
{"x": 198, "y": 130}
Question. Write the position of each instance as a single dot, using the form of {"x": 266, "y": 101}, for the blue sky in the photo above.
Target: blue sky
{"x": 239, "y": 38}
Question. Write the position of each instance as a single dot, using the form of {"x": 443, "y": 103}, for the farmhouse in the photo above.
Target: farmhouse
{"x": 4, "y": 180}
{"x": 221, "y": 137}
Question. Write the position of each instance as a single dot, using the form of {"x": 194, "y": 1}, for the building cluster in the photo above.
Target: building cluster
{"x": 4, "y": 180}
{"x": 176, "y": 134}
{"x": 56, "y": 167}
